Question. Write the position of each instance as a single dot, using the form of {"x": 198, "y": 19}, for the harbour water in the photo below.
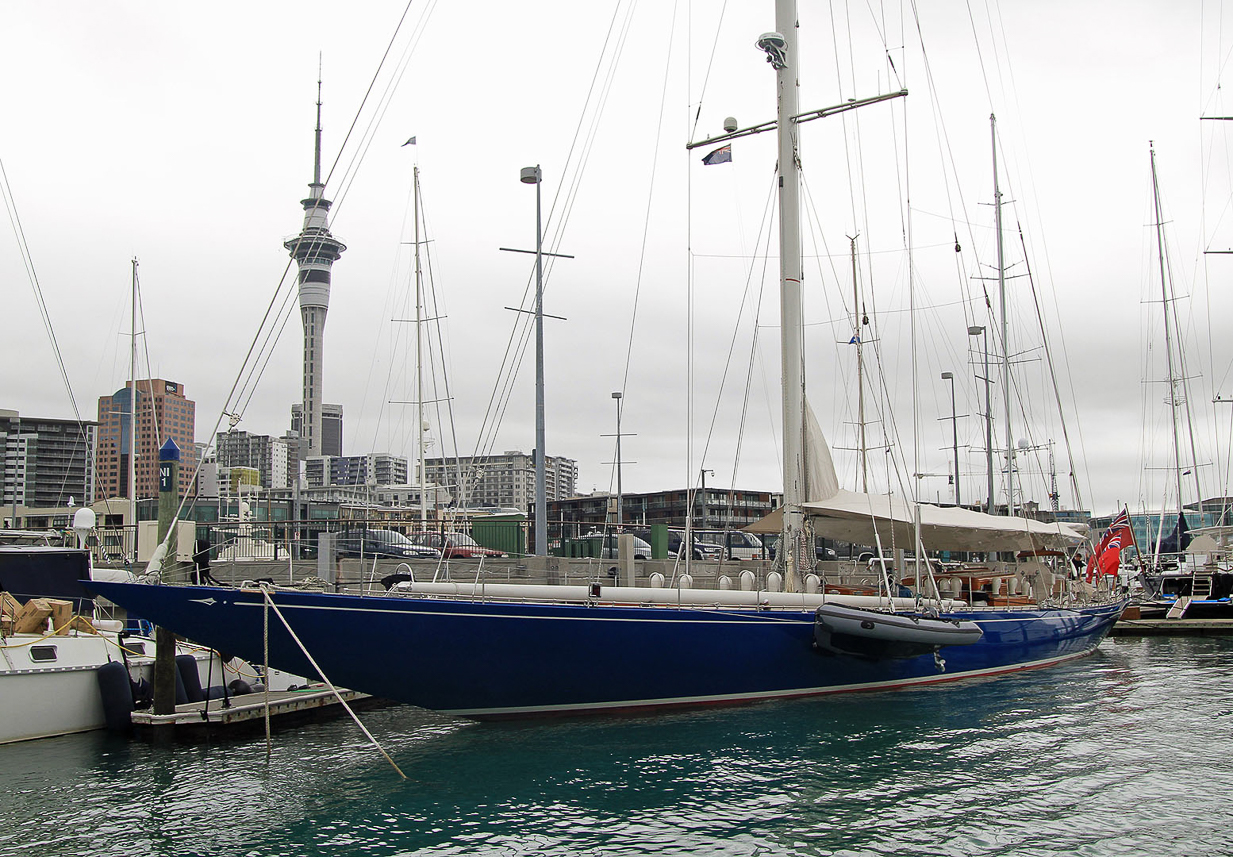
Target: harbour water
{"x": 1124, "y": 752}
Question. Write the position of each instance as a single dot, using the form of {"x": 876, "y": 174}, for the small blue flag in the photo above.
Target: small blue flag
{"x": 722, "y": 155}
{"x": 855, "y": 340}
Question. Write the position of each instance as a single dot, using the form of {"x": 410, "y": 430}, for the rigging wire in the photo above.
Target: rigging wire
{"x": 709, "y": 66}
{"x": 27, "y": 258}
{"x": 566, "y": 194}
{"x": 764, "y": 231}
{"x": 646, "y": 226}
{"x": 521, "y": 327}
{"x": 753, "y": 354}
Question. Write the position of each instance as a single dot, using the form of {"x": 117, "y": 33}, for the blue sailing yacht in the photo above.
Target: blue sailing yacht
{"x": 508, "y": 650}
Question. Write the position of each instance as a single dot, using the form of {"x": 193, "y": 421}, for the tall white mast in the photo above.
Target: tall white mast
{"x": 997, "y": 209}
{"x": 860, "y": 371}
{"x": 419, "y": 354}
{"x": 132, "y": 413}
{"x": 786, "y": 63}
{"x": 1174, "y": 380}
{"x": 780, "y": 47}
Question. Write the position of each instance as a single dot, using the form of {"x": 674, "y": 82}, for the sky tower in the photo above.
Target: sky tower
{"x": 315, "y": 251}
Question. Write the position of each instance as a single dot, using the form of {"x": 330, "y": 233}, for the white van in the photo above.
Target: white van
{"x": 739, "y": 545}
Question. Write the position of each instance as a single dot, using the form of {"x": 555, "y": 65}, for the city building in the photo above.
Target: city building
{"x": 502, "y": 481}
{"x": 713, "y": 509}
{"x": 47, "y": 462}
{"x": 163, "y": 412}
{"x": 355, "y": 470}
{"x": 315, "y": 251}
{"x": 270, "y": 456}
{"x": 408, "y": 496}
{"x": 331, "y": 427}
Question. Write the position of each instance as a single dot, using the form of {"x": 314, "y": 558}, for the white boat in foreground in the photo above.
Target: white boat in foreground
{"x": 75, "y": 673}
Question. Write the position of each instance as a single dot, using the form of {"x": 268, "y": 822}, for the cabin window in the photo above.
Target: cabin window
{"x": 42, "y": 653}
{"x": 138, "y": 649}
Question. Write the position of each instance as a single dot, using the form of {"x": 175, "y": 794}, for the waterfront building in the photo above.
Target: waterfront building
{"x": 315, "y": 251}
{"x": 714, "y": 508}
{"x": 358, "y": 470}
{"x": 270, "y": 456}
{"x": 502, "y": 481}
{"x": 408, "y": 496}
{"x": 47, "y": 461}
{"x": 163, "y": 412}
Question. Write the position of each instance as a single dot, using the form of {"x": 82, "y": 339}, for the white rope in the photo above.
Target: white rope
{"x": 265, "y": 635}
{"x": 269, "y": 601}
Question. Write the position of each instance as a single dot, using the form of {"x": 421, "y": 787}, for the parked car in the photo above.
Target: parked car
{"x": 821, "y": 552}
{"x": 610, "y": 550}
{"x": 382, "y": 543}
{"x": 455, "y": 545}
{"x": 702, "y": 550}
{"x": 739, "y": 545}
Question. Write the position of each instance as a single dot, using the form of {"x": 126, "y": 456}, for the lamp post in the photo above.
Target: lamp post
{"x": 979, "y": 330}
{"x": 533, "y": 175}
{"x": 704, "y": 472}
{"x": 954, "y": 428}
{"x": 620, "y": 500}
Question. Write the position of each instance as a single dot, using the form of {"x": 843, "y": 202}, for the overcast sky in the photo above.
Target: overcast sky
{"x": 182, "y": 135}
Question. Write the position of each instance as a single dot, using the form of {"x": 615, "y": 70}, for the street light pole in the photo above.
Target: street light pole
{"x": 979, "y": 330}
{"x": 704, "y": 472}
{"x": 954, "y": 428}
{"x": 533, "y": 175}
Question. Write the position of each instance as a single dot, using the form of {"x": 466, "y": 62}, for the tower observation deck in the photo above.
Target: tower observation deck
{"x": 315, "y": 250}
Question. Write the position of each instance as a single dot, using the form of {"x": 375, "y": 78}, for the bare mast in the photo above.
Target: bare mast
{"x": 1173, "y": 379}
{"x": 997, "y": 208}
{"x": 132, "y": 414}
{"x": 860, "y": 370}
{"x": 419, "y": 354}
{"x": 784, "y": 57}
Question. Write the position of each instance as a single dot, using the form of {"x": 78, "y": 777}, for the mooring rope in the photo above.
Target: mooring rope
{"x": 270, "y": 605}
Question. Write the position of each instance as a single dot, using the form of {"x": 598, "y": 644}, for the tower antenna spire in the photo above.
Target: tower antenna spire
{"x": 317, "y": 146}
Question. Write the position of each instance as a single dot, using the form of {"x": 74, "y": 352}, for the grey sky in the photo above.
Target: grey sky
{"x": 183, "y": 137}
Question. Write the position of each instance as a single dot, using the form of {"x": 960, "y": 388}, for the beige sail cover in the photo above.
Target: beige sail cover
{"x": 851, "y": 516}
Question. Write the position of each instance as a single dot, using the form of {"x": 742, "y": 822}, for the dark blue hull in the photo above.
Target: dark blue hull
{"x": 492, "y": 659}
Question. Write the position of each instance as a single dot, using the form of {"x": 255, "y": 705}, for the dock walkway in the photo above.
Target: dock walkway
{"x": 249, "y": 710}
{"x": 1172, "y": 628}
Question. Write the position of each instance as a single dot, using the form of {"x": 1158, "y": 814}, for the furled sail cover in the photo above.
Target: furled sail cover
{"x": 851, "y": 516}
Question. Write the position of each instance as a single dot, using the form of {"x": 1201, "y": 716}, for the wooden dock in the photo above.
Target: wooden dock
{"x": 248, "y": 711}
{"x": 1172, "y": 628}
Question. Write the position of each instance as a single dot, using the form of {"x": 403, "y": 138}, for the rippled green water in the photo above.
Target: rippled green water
{"x": 1129, "y": 751}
